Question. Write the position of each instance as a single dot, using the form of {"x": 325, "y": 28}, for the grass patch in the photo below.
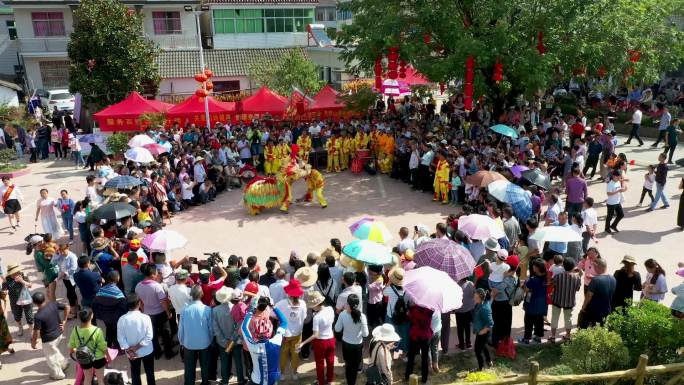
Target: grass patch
{"x": 11, "y": 167}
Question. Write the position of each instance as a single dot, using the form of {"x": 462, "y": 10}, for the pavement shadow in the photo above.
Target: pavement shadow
{"x": 641, "y": 237}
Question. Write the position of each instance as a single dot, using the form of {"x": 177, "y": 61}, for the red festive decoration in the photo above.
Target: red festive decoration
{"x": 209, "y": 73}
{"x": 392, "y": 66}
{"x": 209, "y": 86}
{"x": 402, "y": 69}
{"x": 540, "y": 43}
{"x": 427, "y": 38}
{"x": 468, "y": 86}
{"x": 442, "y": 87}
{"x": 498, "y": 72}
{"x": 377, "y": 69}
{"x": 601, "y": 72}
{"x": 201, "y": 93}
{"x": 201, "y": 77}
{"x": 634, "y": 55}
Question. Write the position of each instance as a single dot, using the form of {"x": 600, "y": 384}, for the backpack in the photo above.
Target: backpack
{"x": 83, "y": 354}
{"x": 517, "y": 295}
{"x": 400, "y": 313}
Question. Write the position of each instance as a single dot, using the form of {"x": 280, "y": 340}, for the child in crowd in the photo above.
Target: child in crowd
{"x": 455, "y": 184}
{"x": 649, "y": 179}
{"x": 557, "y": 267}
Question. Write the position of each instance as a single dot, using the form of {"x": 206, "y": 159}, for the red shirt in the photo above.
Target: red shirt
{"x": 421, "y": 321}
{"x": 577, "y": 128}
{"x": 208, "y": 291}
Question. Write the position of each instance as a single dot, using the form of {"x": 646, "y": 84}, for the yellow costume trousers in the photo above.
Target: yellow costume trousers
{"x": 333, "y": 162}
{"x": 319, "y": 196}
{"x": 344, "y": 160}
{"x": 441, "y": 190}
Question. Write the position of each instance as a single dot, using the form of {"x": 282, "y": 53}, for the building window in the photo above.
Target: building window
{"x": 344, "y": 15}
{"x": 11, "y": 29}
{"x": 231, "y": 86}
{"x": 166, "y": 23}
{"x": 54, "y": 73}
{"x": 261, "y": 20}
{"x": 48, "y": 24}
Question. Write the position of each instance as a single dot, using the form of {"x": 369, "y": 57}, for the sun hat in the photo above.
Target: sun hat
{"x": 396, "y": 276}
{"x": 100, "y": 243}
{"x": 629, "y": 259}
{"x": 252, "y": 287}
{"x": 13, "y": 269}
{"x": 294, "y": 288}
{"x": 236, "y": 295}
{"x": 34, "y": 240}
{"x": 313, "y": 299}
{"x": 224, "y": 294}
{"x": 306, "y": 276}
{"x": 492, "y": 244}
{"x": 502, "y": 254}
{"x": 385, "y": 333}
{"x": 181, "y": 274}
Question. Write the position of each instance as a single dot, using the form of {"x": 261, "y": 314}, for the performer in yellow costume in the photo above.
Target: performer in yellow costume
{"x": 284, "y": 152}
{"x": 441, "y": 183}
{"x": 333, "y": 146}
{"x": 361, "y": 140}
{"x": 314, "y": 186}
{"x": 348, "y": 147}
{"x": 304, "y": 144}
{"x": 270, "y": 158}
{"x": 374, "y": 142}
{"x": 385, "y": 152}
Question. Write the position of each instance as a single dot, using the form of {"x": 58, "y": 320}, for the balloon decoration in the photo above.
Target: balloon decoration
{"x": 205, "y": 84}
{"x": 498, "y": 72}
{"x": 392, "y": 63}
{"x": 468, "y": 85}
{"x": 402, "y": 68}
{"x": 634, "y": 55}
{"x": 378, "y": 73}
{"x": 540, "y": 43}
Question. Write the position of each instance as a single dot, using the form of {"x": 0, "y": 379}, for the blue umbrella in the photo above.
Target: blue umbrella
{"x": 123, "y": 182}
{"x": 90, "y": 138}
{"x": 505, "y": 130}
{"x": 514, "y": 195}
{"x": 370, "y": 252}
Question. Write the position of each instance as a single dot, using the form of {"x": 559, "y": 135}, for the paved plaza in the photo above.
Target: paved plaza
{"x": 224, "y": 225}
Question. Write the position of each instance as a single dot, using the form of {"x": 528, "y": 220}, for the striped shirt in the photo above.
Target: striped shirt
{"x": 565, "y": 287}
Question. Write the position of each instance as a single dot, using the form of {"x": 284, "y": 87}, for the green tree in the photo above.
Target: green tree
{"x": 109, "y": 55}
{"x": 291, "y": 70}
{"x": 437, "y": 36}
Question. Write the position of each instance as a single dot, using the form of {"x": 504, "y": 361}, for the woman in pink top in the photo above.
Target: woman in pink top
{"x": 586, "y": 265}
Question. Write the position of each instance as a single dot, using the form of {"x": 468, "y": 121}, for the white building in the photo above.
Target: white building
{"x": 8, "y": 42}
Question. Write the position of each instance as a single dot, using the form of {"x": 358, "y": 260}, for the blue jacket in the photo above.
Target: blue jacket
{"x": 265, "y": 354}
{"x": 482, "y": 317}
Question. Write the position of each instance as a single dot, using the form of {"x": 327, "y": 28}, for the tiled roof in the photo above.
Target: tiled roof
{"x": 267, "y": 2}
{"x": 223, "y": 62}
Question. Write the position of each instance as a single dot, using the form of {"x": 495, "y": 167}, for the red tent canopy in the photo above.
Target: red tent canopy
{"x": 326, "y": 100}
{"x": 192, "y": 110}
{"x": 414, "y": 77}
{"x": 123, "y": 116}
{"x": 264, "y": 101}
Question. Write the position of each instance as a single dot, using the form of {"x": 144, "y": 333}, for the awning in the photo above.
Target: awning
{"x": 123, "y": 116}
{"x": 192, "y": 110}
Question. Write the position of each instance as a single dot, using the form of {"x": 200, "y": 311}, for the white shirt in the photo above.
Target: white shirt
{"x": 589, "y": 218}
{"x": 342, "y": 298}
{"x": 180, "y": 297}
{"x": 615, "y": 198}
{"x": 186, "y": 191}
{"x": 496, "y": 271}
{"x": 427, "y": 158}
{"x": 295, "y": 315}
{"x": 135, "y": 328}
{"x": 414, "y": 161}
{"x": 405, "y": 244}
{"x": 91, "y": 192}
{"x": 392, "y": 298}
{"x": 15, "y": 194}
{"x": 200, "y": 175}
{"x": 648, "y": 181}
{"x": 323, "y": 323}
{"x": 636, "y": 116}
{"x": 277, "y": 290}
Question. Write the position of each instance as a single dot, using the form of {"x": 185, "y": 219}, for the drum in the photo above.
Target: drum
{"x": 364, "y": 156}
{"x": 357, "y": 165}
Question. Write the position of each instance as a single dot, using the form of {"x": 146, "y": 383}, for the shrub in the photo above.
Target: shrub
{"x": 117, "y": 143}
{"x": 7, "y": 156}
{"x": 648, "y": 328}
{"x": 595, "y": 350}
{"x": 559, "y": 370}
{"x": 480, "y": 376}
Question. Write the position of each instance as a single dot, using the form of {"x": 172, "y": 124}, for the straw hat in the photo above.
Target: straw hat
{"x": 294, "y": 288}
{"x": 385, "y": 333}
{"x": 224, "y": 294}
{"x": 492, "y": 244}
{"x": 330, "y": 251}
{"x": 100, "y": 243}
{"x": 313, "y": 299}
{"x": 396, "y": 276}
{"x": 629, "y": 259}
{"x": 13, "y": 269}
{"x": 306, "y": 276}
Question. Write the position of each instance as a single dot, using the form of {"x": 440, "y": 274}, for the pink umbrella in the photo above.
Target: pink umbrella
{"x": 164, "y": 240}
{"x": 446, "y": 256}
{"x": 517, "y": 170}
{"x": 155, "y": 149}
{"x": 480, "y": 227}
{"x": 433, "y": 289}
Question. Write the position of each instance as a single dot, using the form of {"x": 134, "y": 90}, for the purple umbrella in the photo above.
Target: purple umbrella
{"x": 517, "y": 170}
{"x": 355, "y": 225}
{"x": 447, "y": 256}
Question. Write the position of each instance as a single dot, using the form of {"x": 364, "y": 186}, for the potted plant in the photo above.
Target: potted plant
{"x": 117, "y": 143}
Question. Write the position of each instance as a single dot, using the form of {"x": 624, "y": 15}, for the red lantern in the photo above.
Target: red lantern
{"x": 392, "y": 66}
{"x": 402, "y": 69}
{"x": 208, "y": 73}
{"x": 468, "y": 86}
{"x": 209, "y": 86}
{"x": 378, "y": 83}
{"x": 427, "y": 38}
{"x": 377, "y": 69}
{"x": 498, "y": 72}
{"x": 393, "y": 54}
{"x": 540, "y": 43}
{"x": 634, "y": 55}
{"x": 442, "y": 87}
{"x": 201, "y": 77}
{"x": 300, "y": 107}
{"x": 601, "y": 72}
{"x": 201, "y": 93}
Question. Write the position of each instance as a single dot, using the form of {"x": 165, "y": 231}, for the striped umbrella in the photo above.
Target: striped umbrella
{"x": 368, "y": 252}
{"x": 358, "y": 223}
{"x": 446, "y": 256}
{"x": 122, "y": 182}
{"x": 375, "y": 231}
{"x": 514, "y": 195}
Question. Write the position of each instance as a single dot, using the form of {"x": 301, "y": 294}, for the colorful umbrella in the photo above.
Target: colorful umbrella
{"x": 91, "y": 138}
{"x": 505, "y": 130}
{"x": 537, "y": 177}
{"x": 446, "y": 256}
{"x": 368, "y": 252}
{"x": 155, "y": 149}
{"x": 358, "y": 223}
{"x": 433, "y": 289}
{"x": 556, "y": 234}
{"x": 123, "y": 182}
{"x": 375, "y": 231}
{"x": 164, "y": 240}
{"x": 484, "y": 178}
{"x": 139, "y": 141}
{"x": 517, "y": 170}
{"x": 513, "y": 194}
{"x": 480, "y": 227}
{"x": 139, "y": 155}
{"x": 114, "y": 211}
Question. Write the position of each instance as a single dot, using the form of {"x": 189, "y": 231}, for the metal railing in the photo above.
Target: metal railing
{"x": 49, "y": 44}
{"x": 174, "y": 41}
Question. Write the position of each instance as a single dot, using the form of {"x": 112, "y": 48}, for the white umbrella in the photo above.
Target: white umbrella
{"x": 556, "y": 234}
{"x": 164, "y": 240}
{"x": 498, "y": 188}
{"x": 139, "y": 155}
{"x": 139, "y": 141}
{"x": 480, "y": 227}
{"x": 433, "y": 289}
